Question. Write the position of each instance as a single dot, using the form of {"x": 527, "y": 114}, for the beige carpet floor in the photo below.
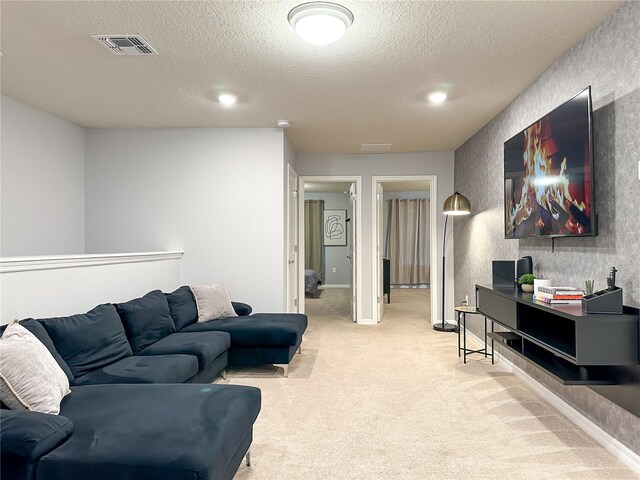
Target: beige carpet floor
{"x": 393, "y": 401}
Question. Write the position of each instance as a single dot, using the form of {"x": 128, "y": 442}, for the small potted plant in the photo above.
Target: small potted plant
{"x": 526, "y": 282}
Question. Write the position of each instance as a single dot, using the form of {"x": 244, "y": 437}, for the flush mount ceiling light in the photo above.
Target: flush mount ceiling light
{"x": 320, "y": 23}
{"x": 437, "y": 97}
{"x": 283, "y": 123}
{"x": 227, "y": 99}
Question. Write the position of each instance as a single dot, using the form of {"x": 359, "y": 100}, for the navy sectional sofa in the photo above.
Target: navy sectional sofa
{"x": 129, "y": 414}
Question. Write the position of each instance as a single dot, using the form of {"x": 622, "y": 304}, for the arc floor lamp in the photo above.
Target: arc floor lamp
{"x": 456, "y": 204}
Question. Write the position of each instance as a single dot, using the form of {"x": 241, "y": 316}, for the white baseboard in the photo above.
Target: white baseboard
{"x": 367, "y": 321}
{"x": 617, "y": 448}
{"x": 334, "y": 285}
{"x": 422, "y": 285}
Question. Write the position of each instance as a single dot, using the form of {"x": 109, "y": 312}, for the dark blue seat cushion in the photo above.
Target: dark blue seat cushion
{"x": 259, "y": 330}
{"x": 182, "y": 305}
{"x": 148, "y": 369}
{"x": 190, "y": 432}
{"x": 41, "y": 334}
{"x": 89, "y": 341}
{"x": 206, "y": 346}
{"x": 146, "y": 319}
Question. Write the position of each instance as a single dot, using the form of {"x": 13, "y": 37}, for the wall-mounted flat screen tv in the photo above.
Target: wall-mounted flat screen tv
{"x": 548, "y": 174}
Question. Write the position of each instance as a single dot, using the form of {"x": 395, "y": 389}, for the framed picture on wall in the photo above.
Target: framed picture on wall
{"x": 335, "y": 228}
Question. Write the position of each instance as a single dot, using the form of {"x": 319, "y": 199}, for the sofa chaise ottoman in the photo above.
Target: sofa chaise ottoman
{"x": 256, "y": 339}
{"x": 133, "y": 432}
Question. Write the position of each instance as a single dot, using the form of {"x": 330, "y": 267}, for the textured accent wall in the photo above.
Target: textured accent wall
{"x": 608, "y": 59}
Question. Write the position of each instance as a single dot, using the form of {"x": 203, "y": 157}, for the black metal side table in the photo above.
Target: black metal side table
{"x": 461, "y": 312}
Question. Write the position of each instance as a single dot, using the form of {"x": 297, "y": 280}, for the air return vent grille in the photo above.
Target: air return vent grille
{"x": 375, "y": 147}
{"x": 129, "y": 44}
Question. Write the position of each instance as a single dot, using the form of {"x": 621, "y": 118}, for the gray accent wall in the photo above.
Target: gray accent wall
{"x": 608, "y": 59}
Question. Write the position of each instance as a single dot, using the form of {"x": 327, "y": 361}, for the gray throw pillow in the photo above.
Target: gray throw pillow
{"x": 212, "y": 301}
{"x": 30, "y": 378}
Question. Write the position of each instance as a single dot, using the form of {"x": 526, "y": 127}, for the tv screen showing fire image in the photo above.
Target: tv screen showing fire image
{"x": 548, "y": 174}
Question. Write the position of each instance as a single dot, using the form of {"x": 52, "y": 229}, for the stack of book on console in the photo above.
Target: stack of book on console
{"x": 559, "y": 295}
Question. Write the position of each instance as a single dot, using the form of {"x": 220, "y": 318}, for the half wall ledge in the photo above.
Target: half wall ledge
{"x": 52, "y": 262}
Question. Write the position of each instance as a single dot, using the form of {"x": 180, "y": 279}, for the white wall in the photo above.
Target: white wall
{"x": 368, "y": 165}
{"x": 335, "y": 257}
{"x": 217, "y": 194}
{"x": 60, "y": 286}
{"x": 289, "y": 154}
{"x": 42, "y": 182}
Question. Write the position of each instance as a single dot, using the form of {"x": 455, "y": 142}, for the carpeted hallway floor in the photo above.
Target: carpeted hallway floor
{"x": 393, "y": 401}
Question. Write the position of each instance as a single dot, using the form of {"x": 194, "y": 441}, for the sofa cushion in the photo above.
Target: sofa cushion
{"x": 148, "y": 369}
{"x": 41, "y": 334}
{"x": 212, "y": 302}
{"x": 31, "y": 434}
{"x": 259, "y": 330}
{"x": 183, "y": 307}
{"x": 89, "y": 341}
{"x": 146, "y": 319}
{"x": 206, "y": 346}
{"x": 189, "y": 431}
{"x": 241, "y": 309}
{"x": 30, "y": 379}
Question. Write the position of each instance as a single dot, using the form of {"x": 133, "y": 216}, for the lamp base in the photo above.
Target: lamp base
{"x": 447, "y": 327}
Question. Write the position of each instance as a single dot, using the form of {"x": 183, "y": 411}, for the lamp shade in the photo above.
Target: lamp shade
{"x": 457, "y": 204}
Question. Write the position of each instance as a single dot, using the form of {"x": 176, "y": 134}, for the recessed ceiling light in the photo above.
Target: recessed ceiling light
{"x": 437, "y": 97}
{"x": 227, "y": 99}
{"x": 320, "y": 23}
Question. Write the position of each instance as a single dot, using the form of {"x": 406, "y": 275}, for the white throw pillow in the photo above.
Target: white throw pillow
{"x": 30, "y": 378}
{"x": 213, "y": 302}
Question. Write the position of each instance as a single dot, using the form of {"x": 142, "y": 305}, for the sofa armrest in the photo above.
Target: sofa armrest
{"x": 30, "y": 435}
{"x": 242, "y": 309}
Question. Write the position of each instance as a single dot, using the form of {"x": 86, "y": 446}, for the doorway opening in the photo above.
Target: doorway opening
{"x": 330, "y": 236}
{"x": 404, "y": 248}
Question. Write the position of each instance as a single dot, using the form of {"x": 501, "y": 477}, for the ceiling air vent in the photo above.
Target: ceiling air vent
{"x": 130, "y": 44}
{"x": 375, "y": 147}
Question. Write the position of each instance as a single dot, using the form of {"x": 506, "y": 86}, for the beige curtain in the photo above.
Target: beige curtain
{"x": 408, "y": 241}
{"x": 314, "y": 236}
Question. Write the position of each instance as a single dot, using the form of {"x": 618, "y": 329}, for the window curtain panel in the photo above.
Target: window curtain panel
{"x": 408, "y": 241}
{"x": 314, "y": 236}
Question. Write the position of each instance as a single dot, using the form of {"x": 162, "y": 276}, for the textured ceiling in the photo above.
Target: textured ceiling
{"x": 368, "y": 87}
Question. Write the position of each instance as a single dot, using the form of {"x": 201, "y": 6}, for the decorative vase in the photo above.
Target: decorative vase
{"x": 527, "y": 287}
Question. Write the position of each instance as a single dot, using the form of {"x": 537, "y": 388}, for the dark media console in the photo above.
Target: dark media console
{"x": 574, "y": 347}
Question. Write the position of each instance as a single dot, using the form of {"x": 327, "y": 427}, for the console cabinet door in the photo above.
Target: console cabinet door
{"x": 502, "y": 310}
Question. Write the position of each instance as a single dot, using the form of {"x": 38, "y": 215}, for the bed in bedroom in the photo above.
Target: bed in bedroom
{"x": 311, "y": 282}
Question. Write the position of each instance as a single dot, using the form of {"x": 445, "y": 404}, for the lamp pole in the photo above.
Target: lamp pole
{"x": 456, "y": 204}
{"x": 444, "y": 327}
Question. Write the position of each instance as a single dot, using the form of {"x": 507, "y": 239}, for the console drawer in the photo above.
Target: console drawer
{"x": 497, "y": 307}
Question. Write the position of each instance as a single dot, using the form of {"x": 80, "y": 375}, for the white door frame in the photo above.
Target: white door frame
{"x": 291, "y": 203}
{"x": 433, "y": 236}
{"x": 357, "y": 179}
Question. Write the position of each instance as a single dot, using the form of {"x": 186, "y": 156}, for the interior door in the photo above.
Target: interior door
{"x": 292, "y": 242}
{"x": 353, "y": 254}
{"x": 380, "y": 249}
